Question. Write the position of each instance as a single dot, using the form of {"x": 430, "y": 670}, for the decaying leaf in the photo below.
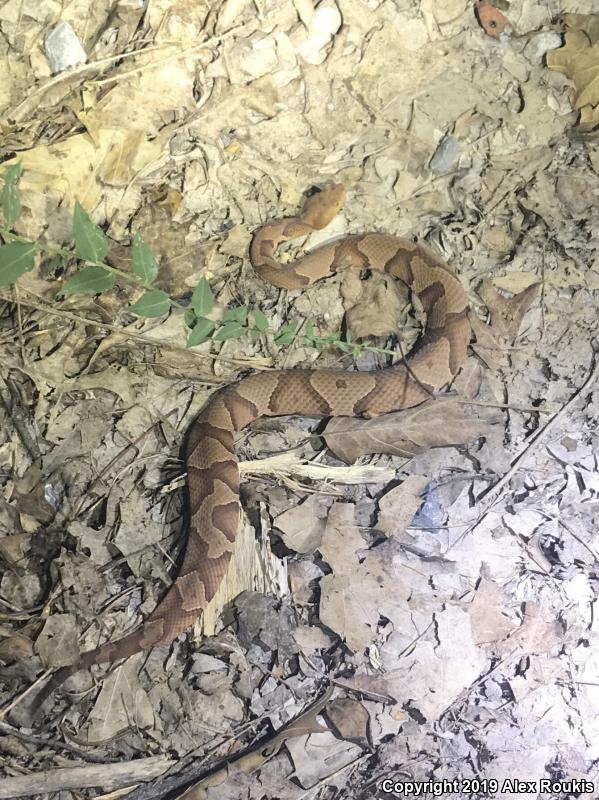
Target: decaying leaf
{"x": 375, "y": 304}
{"x": 350, "y": 720}
{"x": 398, "y": 506}
{"x": 363, "y": 585}
{"x": 311, "y": 766}
{"x": 341, "y": 539}
{"x": 302, "y": 525}
{"x": 494, "y": 340}
{"x": 489, "y": 613}
{"x": 443, "y": 662}
{"x": 579, "y": 60}
{"x": 437, "y": 423}
{"x": 122, "y": 704}
{"x": 507, "y": 313}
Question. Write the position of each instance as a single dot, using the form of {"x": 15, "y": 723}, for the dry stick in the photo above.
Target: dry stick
{"x": 201, "y": 777}
{"x": 106, "y": 775}
{"x": 537, "y": 439}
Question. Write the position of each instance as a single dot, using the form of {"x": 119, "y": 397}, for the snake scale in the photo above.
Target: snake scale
{"x": 212, "y": 471}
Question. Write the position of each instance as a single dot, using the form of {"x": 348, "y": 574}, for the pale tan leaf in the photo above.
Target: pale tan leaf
{"x": 436, "y": 423}
{"x": 579, "y": 60}
{"x": 493, "y": 342}
{"x": 507, "y": 313}
{"x": 399, "y": 505}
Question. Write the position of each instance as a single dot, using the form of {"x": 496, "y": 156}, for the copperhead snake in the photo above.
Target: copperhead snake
{"x": 212, "y": 471}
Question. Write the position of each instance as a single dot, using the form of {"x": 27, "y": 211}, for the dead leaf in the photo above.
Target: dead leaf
{"x": 302, "y": 526}
{"x": 493, "y": 341}
{"x": 350, "y": 720}
{"x": 341, "y": 539}
{"x": 57, "y": 643}
{"x": 578, "y": 59}
{"x": 16, "y": 648}
{"x": 364, "y": 585}
{"x": 539, "y": 632}
{"x": 318, "y": 756}
{"x": 375, "y": 304}
{"x": 310, "y": 638}
{"x": 443, "y": 662}
{"x": 122, "y": 704}
{"x": 442, "y": 422}
{"x": 398, "y": 506}
{"x": 507, "y": 313}
{"x": 489, "y": 615}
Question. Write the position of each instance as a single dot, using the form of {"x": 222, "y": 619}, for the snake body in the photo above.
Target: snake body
{"x": 212, "y": 471}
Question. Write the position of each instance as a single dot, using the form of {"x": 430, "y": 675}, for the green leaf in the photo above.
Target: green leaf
{"x": 201, "y": 332}
{"x": 89, "y": 280}
{"x": 238, "y": 314}
{"x": 309, "y": 334}
{"x": 9, "y": 198}
{"x": 16, "y": 259}
{"x": 230, "y": 330}
{"x": 260, "y": 320}
{"x": 202, "y": 299}
{"x": 90, "y": 242}
{"x": 286, "y": 334}
{"x": 189, "y": 318}
{"x": 154, "y": 303}
{"x": 13, "y": 173}
{"x": 144, "y": 261}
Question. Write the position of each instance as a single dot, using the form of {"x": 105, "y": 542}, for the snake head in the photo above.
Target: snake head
{"x": 322, "y": 207}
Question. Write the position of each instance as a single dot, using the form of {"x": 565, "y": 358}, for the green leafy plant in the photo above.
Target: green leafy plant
{"x": 90, "y": 249}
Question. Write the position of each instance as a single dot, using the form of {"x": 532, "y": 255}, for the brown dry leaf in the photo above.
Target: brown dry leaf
{"x": 437, "y": 423}
{"x": 302, "y": 526}
{"x": 507, "y": 313}
{"x": 57, "y": 643}
{"x": 350, "y": 720}
{"x": 319, "y": 756}
{"x": 362, "y": 587}
{"x": 341, "y": 539}
{"x": 309, "y": 639}
{"x": 429, "y": 677}
{"x": 16, "y": 648}
{"x": 398, "y": 506}
{"x": 578, "y": 59}
{"x": 539, "y": 632}
{"x": 540, "y": 672}
{"x": 121, "y": 705}
{"x": 376, "y": 304}
{"x": 489, "y": 615}
{"x": 493, "y": 341}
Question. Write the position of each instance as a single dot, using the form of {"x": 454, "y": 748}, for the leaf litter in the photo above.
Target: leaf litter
{"x": 451, "y": 613}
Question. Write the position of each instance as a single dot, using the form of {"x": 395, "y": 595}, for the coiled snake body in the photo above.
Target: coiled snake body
{"x": 212, "y": 472}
